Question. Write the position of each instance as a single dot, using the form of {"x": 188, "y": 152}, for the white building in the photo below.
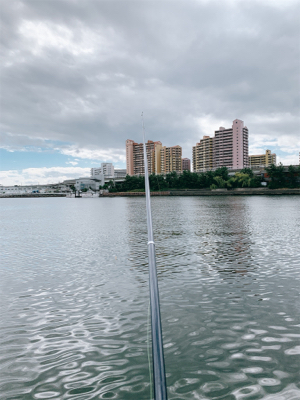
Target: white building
{"x": 51, "y": 188}
{"x": 120, "y": 173}
{"x": 89, "y": 183}
{"x": 17, "y": 189}
{"x": 107, "y": 169}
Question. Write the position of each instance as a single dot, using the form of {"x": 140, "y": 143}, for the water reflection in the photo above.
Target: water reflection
{"x": 74, "y": 302}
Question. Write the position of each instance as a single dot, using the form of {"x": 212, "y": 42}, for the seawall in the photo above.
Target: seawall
{"x": 208, "y": 192}
{"x": 3, "y": 196}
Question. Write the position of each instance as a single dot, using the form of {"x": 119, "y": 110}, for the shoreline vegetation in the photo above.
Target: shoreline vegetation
{"x": 276, "y": 177}
{"x": 277, "y": 180}
{"x": 209, "y": 192}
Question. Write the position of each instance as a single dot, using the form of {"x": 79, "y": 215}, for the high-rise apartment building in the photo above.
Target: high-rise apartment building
{"x": 161, "y": 159}
{"x": 135, "y": 157}
{"x": 186, "y": 164}
{"x": 157, "y": 158}
{"x": 171, "y": 159}
{"x": 228, "y": 148}
{"x": 231, "y": 146}
{"x": 129, "y": 156}
{"x": 203, "y": 155}
{"x": 262, "y": 160}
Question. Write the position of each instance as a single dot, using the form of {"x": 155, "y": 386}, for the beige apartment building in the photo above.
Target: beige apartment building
{"x": 135, "y": 157}
{"x": 161, "y": 159}
{"x": 203, "y": 155}
{"x": 262, "y": 160}
{"x": 171, "y": 159}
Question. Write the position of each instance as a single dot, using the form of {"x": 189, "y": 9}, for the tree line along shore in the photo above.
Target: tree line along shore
{"x": 276, "y": 177}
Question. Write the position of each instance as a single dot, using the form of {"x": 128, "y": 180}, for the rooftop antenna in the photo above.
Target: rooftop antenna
{"x": 158, "y": 362}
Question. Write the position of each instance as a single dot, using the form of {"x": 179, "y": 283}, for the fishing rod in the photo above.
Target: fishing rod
{"x": 159, "y": 377}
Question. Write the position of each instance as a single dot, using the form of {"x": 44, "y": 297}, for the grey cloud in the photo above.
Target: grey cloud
{"x": 176, "y": 61}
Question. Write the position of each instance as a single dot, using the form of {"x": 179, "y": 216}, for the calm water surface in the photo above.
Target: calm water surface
{"x": 74, "y": 297}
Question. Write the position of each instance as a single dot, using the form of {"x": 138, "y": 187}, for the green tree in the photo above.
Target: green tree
{"x": 247, "y": 171}
{"x": 157, "y": 182}
{"x": 219, "y": 182}
{"x": 276, "y": 173}
{"x": 241, "y": 179}
{"x": 172, "y": 180}
{"x": 223, "y": 172}
{"x": 188, "y": 180}
{"x": 206, "y": 179}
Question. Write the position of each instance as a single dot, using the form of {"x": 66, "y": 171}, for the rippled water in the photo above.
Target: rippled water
{"x": 74, "y": 297}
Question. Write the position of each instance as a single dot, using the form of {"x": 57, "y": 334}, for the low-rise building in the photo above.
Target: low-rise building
{"x": 120, "y": 173}
{"x": 89, "y": 183}
{"x": 186, "y": 164}
{"x": 29, "y": 189}
{"x": 262, "y": 160}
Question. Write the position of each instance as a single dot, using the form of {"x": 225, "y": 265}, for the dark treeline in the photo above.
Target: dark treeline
{"x": 209, "y": 180}
{"x": 280, "y": 178}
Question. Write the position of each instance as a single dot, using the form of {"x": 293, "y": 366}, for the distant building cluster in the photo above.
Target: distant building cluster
{"x": 161, "y": 159}
{"x": 99, "y": 176}
{"x": 228, "y": 148}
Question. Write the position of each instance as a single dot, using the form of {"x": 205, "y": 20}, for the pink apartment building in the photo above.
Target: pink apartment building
{"x": 231, "y": 146}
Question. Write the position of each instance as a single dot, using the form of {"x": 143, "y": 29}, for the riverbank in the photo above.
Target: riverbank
{"x": 209, "y": 192}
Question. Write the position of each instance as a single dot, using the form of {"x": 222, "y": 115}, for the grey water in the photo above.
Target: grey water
{"x": 75, "y": 299}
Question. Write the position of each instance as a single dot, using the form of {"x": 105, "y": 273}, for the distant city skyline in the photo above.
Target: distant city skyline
{"x": 74, "y": 81}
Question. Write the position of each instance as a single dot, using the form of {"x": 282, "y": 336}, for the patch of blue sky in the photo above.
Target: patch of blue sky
{"x": 34, "y": 158}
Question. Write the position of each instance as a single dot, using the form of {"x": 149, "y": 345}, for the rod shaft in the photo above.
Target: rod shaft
{"x": 159, "y": 377}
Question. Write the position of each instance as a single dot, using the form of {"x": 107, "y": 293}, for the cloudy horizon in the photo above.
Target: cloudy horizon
{"x": 76, "y": 76}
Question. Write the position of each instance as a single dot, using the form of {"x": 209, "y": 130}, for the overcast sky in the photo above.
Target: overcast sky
{"x": 76, "y": 75}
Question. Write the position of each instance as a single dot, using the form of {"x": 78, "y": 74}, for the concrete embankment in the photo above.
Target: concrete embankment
{"x": 208, "y": 192}
{"x": 33, "y": 195}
